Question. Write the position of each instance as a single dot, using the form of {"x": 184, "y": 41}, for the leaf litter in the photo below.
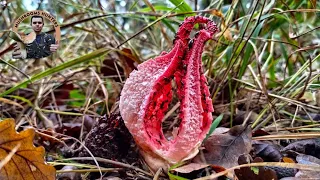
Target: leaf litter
{"x": 27, "y": 162}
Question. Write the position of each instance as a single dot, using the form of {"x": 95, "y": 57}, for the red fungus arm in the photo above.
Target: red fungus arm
{"x": 147, "y": 93}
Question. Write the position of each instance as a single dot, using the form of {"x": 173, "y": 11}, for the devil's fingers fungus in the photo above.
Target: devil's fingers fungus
{"x": 147, "y": 93}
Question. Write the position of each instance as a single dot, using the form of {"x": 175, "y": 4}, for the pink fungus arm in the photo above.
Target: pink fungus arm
{"x": 147, "y": 93}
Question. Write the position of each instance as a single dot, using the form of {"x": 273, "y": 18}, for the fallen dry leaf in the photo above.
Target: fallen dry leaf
{"x": 288, "y": 160}
{"x": 127, "y": 60}
{"x": 190, "y": 167}
{"x": 28, "y": 161}
{"x": 220, "y": 130}
{"x": 306, "y": 159}
{"x": 225, "y": 149}
{"x": 193, "y": 171}
{"x": 267, "y": 151}
{"x": 257, "y": 173}
{"x": 9, "y": 156}
{"x": 308, "y": 147}
{"x": 69, "y": 175}
{"x": 217, "y": 13}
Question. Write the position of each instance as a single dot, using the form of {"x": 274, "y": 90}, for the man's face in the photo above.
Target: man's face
{"x": 37, "y": 24}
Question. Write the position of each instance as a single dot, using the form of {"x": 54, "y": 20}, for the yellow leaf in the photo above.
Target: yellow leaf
{"x": 217, "y": 13}
{"x": 27, "y": 163}
{"x": 288, "y": 160}
{"x": 227, "y": 34}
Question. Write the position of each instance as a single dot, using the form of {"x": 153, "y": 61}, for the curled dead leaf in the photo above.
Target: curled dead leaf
{"x": 225, "y": 149}
{"x": 28, "y": 161}
{"x": 266, "y": 150}
{"x": 217, "y": 13}
{"x": 258, "y": 173}
{"x": 307, "y": 146}
{"x": 128, "y": 59}
{"x": 309, "y": 160}
{"x": 288, "y": 160}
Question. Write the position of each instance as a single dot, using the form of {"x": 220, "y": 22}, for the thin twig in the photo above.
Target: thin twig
{"x": 103, "y": 160}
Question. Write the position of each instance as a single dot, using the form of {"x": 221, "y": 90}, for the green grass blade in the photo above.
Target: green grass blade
{"x": 214, "y": 125}
{"x": 175, "y": 177}
{"x": 184, "y": 7}
{"x": 157, "y": 8}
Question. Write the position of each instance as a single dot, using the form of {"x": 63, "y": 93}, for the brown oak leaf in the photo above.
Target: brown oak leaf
{"x": 27, "y": 163}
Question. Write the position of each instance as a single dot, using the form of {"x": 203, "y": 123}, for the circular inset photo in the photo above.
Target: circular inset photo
{"x": 33, "y": 42}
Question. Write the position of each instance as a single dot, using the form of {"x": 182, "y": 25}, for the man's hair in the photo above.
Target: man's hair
{"x": 37, "y": 17}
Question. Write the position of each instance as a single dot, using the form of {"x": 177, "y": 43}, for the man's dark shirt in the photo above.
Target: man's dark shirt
{"x": 40, "y": 47}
